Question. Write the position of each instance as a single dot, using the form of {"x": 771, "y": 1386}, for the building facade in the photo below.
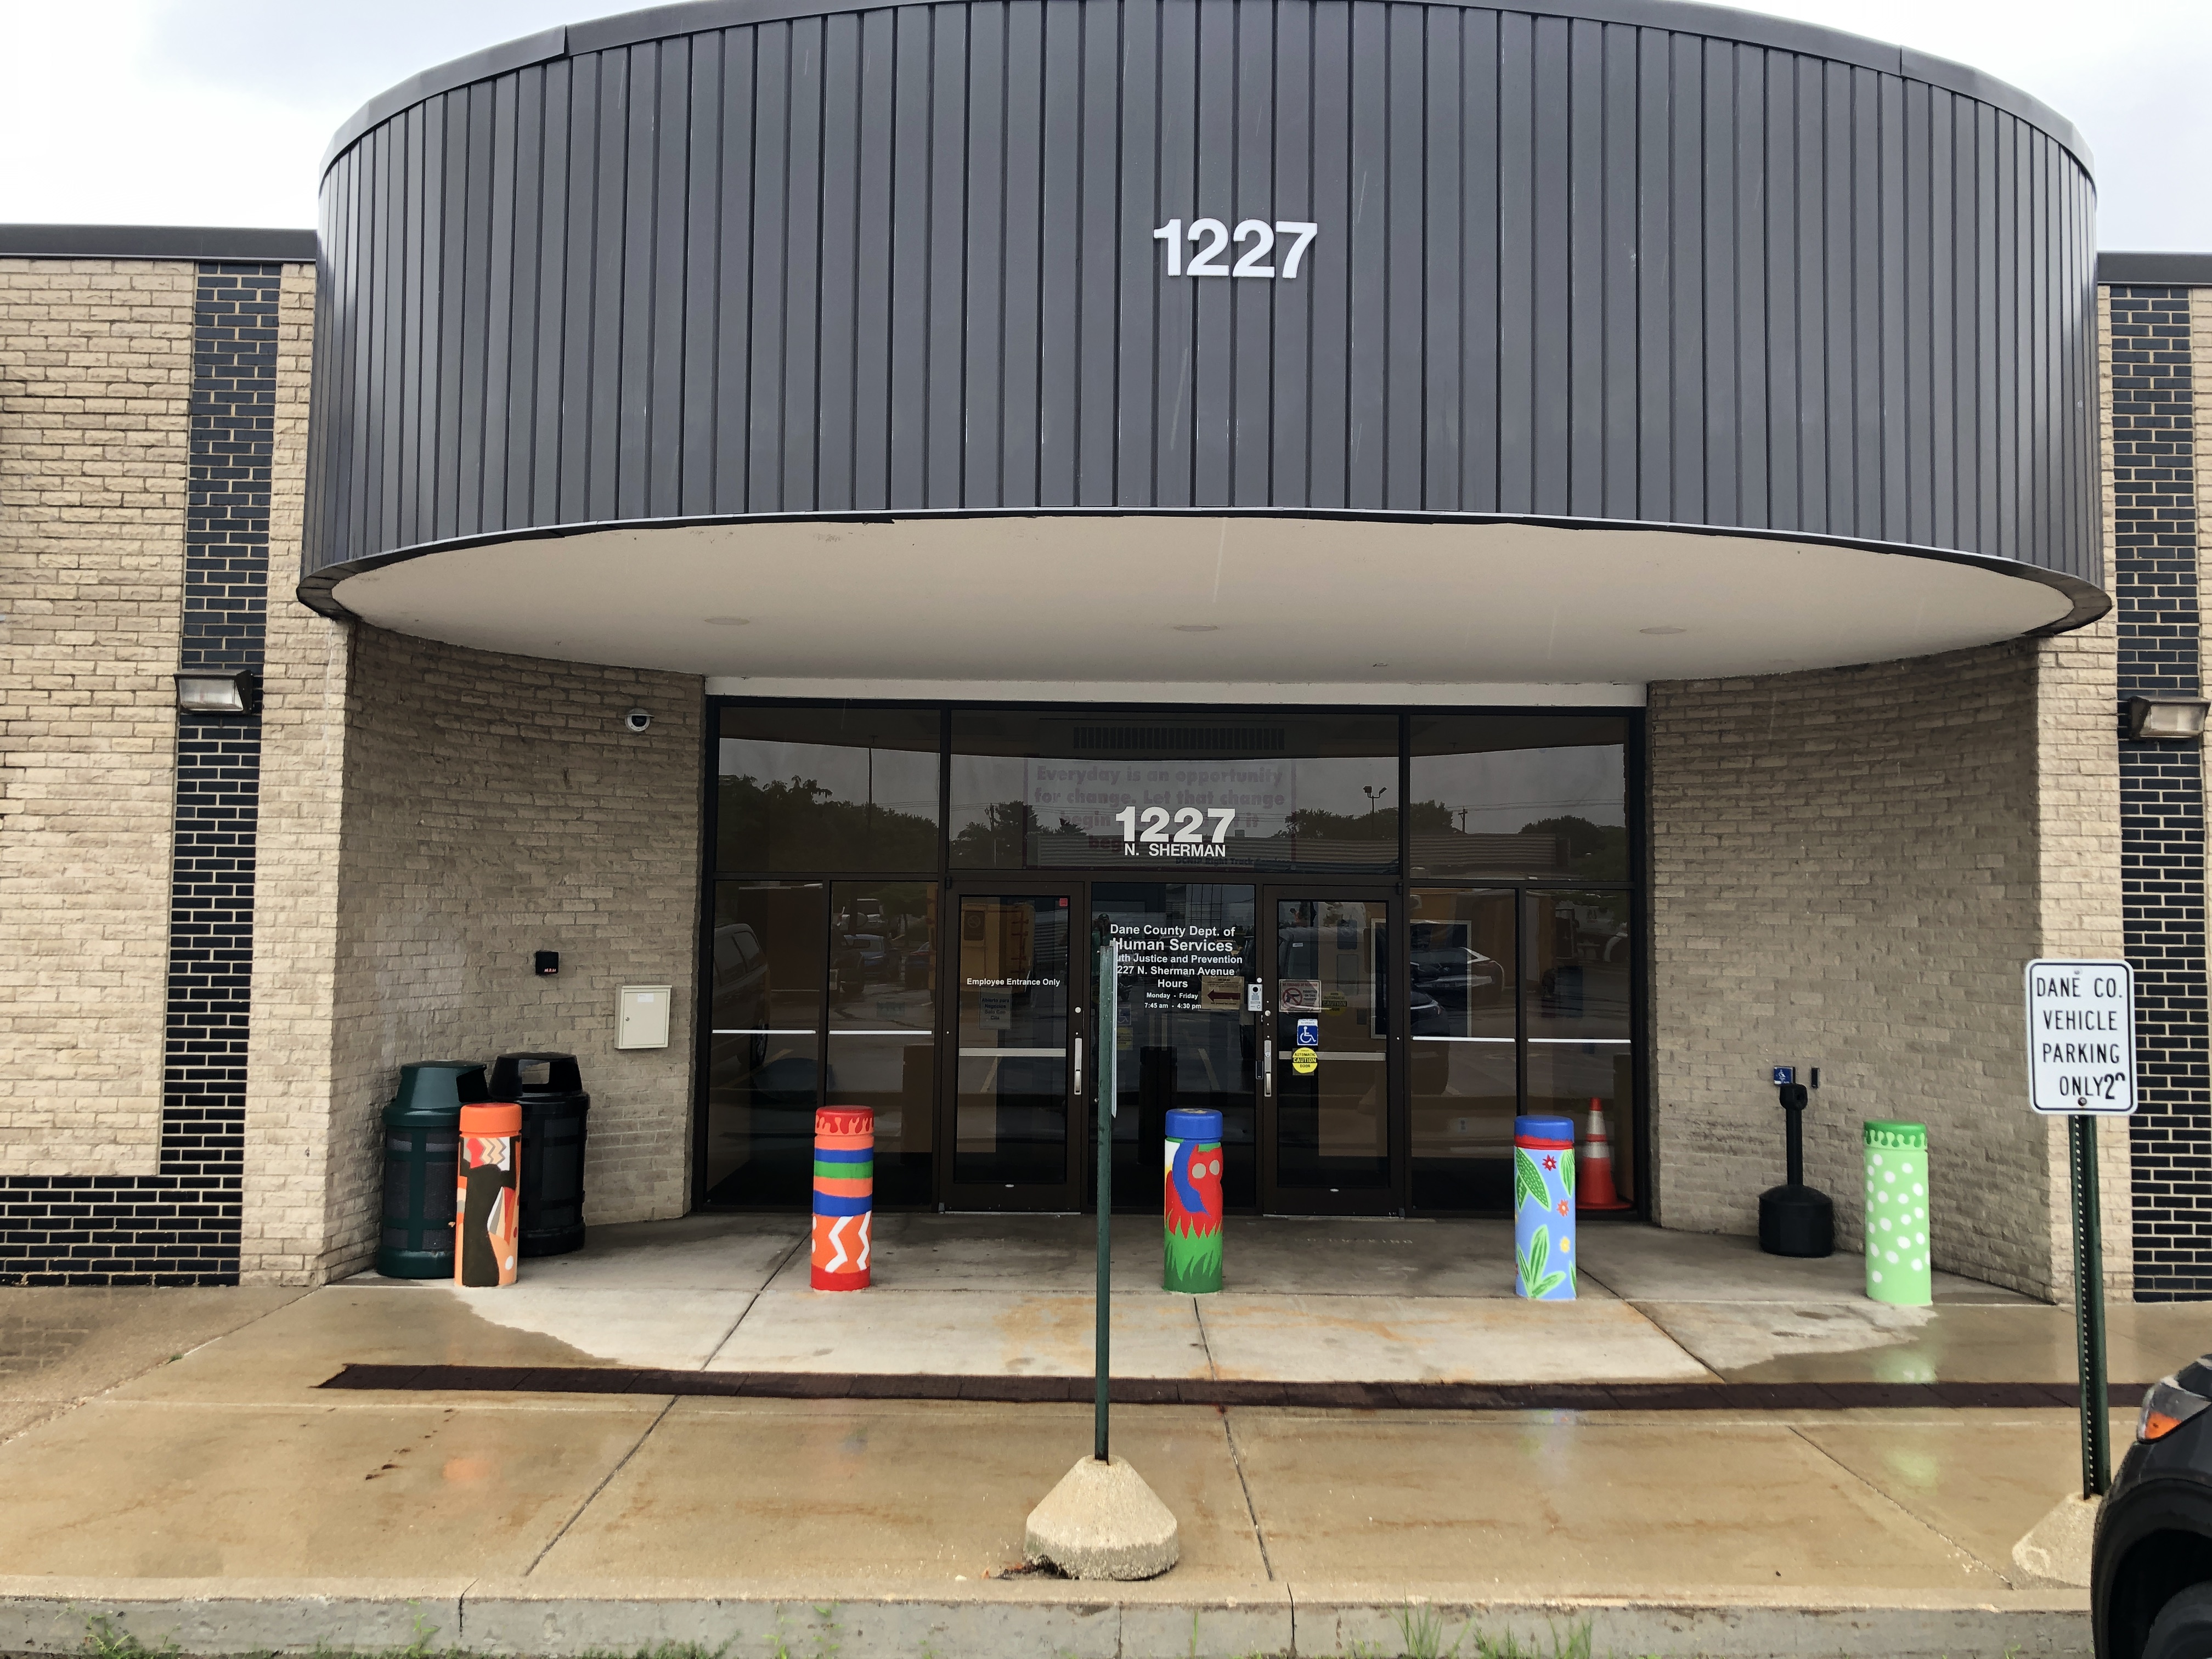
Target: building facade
{"x": 1517, "y": 559}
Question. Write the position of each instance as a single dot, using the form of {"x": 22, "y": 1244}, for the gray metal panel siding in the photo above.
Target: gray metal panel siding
{"x": 902, "y": 259}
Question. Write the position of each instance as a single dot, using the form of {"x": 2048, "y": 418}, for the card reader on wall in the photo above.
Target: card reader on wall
{"x": 642, "y": 1017}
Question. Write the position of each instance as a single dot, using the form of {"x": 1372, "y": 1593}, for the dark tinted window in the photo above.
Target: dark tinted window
{"x": 1529, "y": 796}
{"x": 1187, "y": 793}
{"x": 764, "y": 1053}
{"x": 850, "y": 788}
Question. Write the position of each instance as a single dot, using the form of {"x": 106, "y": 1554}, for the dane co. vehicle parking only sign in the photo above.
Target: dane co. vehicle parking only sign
{"x": 2081, "y": 1038}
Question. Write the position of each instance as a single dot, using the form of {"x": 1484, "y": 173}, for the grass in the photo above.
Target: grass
{"x": 1423, "y": 1633}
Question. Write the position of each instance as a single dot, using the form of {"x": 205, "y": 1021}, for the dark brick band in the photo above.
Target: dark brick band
{"x": 181, "y": 1225}
{"x": 2161, "y": 790}
{"x": 1206, "y": 1391}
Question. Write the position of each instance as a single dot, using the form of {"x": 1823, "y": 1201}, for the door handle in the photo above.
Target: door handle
{"x": 1078, "y": 1068}
{"x": 1267, "y": 1069}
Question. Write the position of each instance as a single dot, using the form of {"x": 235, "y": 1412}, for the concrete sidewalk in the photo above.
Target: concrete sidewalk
{"x": 222, "y": 1497}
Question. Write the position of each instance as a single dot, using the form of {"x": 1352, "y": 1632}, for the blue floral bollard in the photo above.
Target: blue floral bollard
{"x": 1544, "y": 1208}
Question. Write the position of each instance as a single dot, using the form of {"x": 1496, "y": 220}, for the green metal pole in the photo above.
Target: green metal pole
{"x": 1109, "y": 1005}
{"x": 2089, "y": 1306}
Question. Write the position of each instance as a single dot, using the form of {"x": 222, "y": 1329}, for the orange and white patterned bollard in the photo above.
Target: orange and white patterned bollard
{"x": 844, "y": 1196}
{"x": 487, "y": 1208}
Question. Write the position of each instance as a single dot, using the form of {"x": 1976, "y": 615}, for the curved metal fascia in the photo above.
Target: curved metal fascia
{"x": 2087, "y": 601}
{"x": 1680, "y": 16}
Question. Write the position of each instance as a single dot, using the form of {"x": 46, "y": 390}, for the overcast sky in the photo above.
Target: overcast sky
{"x": 216, "y": 112}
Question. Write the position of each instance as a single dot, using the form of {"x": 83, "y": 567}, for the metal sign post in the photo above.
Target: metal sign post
{"x": 1109, "y": 1004}
{"x": 2082, "y": 1066}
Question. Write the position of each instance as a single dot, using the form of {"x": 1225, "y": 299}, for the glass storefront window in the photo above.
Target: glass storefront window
{"x": 1183, "y": 1030}
{"x": 1577, "y": 957}
{"x": 1464, "y": 1078}
{"x": 764, "y": 1051}
{"x": 1286, "y": 792}
{"x": 882, "y": 1025}
{"x": 1266, "y": 990}
{"x": 1520, "y": 795}
{"x": 850, "y": 788}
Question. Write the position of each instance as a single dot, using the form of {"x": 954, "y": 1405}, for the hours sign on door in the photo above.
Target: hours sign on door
{"x": 2081, "y": 1037}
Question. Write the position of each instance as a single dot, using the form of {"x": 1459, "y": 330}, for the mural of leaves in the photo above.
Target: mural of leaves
{"x": 1534, "y": 1258}
{"x": 1528, "y": 1181}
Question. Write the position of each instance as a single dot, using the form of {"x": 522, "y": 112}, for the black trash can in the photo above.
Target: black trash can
{"x": 422, "y": 1146}
{"x": 549, "y": 1088}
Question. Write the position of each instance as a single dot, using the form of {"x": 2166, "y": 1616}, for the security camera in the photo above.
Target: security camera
{"x": 637, "y": 719}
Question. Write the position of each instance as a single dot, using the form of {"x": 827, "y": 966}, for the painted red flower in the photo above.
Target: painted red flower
{"x": 1550, "y": 1163}
{"x": 1562, "y": 1207}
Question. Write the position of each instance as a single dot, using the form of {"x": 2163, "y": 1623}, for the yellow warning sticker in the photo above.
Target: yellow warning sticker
{"x": 1305, "y": 1061}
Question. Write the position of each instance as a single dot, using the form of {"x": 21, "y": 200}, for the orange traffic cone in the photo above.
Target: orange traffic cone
{"x": 1593, "y": 1188}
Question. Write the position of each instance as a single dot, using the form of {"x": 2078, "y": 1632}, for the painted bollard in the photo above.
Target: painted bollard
{"x": 1193, "y": 1203}
{"x": 1544, "y": 1208}
{"x": 1900, "y": 1267}
{"x": 486, "y": 1196}
{"x": 844, "y": 1196}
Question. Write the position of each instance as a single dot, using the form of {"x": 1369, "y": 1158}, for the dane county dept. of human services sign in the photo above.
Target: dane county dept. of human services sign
{"x": 2081, "y": 1037}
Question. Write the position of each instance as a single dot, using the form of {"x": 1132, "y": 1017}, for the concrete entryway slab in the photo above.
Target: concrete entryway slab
{"x": 286, "y": 1357}
{"x": 961, "y": 1333}
{"x": 1336, "y": 1255}
{"x": 914, "y": 1491}
{"x": 1318, "y": 1338}
{"x": 1642, "y": 1263}
{"x": 1575, "y": 1502}
{"x": 60, "y": 1345}
{"x": 166, "y": 1491}
{"x": 696, "y": 1253}
{"x": 1951, "y": 1342}
{"x": 1981, "y": 1480}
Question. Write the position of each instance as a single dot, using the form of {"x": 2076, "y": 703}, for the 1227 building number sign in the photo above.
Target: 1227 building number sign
{"x": 1212, "y": 241}
{"x": 1189, "y": 839}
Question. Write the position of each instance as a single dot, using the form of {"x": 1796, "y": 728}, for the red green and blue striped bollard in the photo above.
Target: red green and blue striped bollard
{"x": 844, "y": 1196}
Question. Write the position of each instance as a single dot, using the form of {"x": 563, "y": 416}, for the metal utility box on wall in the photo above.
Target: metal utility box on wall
{"x": 642, "y": 1017}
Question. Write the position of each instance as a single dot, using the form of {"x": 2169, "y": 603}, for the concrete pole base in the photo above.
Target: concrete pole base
{"x": 2056, "y": 1550}
{"x": 1102, "y": 1520}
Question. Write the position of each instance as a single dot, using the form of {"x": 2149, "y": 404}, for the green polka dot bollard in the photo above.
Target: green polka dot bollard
{"x": 1897, "y": 1266}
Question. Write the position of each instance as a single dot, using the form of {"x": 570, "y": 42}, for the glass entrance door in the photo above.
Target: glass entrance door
{"x": 1329, "y": 1055}
{"x": 1017, "y": 1057}
{"x": 1185, "y": 1030}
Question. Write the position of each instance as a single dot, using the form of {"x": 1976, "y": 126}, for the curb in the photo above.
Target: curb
{"x": 1003, "y": 1619}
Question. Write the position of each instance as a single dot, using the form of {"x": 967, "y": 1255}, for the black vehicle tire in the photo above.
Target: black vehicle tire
{"x": 2183, "y": 1629}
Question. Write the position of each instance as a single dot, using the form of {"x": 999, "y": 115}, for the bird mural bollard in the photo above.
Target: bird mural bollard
{"x": 1192, "y": 1266}
{"x": 1544, "y": 1208}
{"x": 844, "y": 1196}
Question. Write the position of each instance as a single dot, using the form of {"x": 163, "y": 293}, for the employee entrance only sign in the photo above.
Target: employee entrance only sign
{"x": 2081, "y": 1038}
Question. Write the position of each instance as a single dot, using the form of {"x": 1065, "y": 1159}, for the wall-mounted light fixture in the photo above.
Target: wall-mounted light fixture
{"x": 220, "y": 694}
{"x": 2173, "y": 720}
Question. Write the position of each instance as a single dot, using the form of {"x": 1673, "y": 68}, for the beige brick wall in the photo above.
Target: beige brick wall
{"x": 2077, "y": 772}
{"x": 2200, "y": 356}
{"x": 496, "y": 806}
{"x": 95, "y": 382}
{"x": 1849, "y": 871}
{"x": 289, "y": 1097}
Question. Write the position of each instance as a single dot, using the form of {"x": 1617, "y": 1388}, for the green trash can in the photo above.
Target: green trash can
{"x": 421, "y": 1147}
{"x": 1899, "y": 1266}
